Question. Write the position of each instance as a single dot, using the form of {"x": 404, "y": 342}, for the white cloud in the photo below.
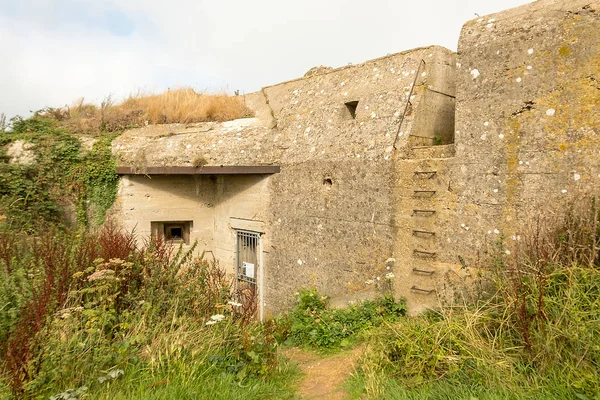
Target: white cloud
{"x": 55, "y": 51}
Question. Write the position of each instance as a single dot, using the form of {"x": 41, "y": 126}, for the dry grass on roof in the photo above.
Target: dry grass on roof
{"x": 173, "y": 106}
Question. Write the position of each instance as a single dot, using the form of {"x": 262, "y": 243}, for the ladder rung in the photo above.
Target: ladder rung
{"x": 428, "y": 174}
{"x": 423, "y": 137}
{"x": 417, "y": 232}
{"x": 422, "y": 193}
{"x": 426, "y": 291}
{"x": 424, "y": 253}
{"x": 428, "y": 212}
{"x": 423, "y": 271}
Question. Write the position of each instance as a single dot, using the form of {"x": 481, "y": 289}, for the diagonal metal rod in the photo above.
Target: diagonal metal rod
{"x": 422, "y": 62}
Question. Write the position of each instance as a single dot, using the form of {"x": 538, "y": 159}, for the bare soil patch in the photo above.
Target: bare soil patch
{"x": 324, "y": 375}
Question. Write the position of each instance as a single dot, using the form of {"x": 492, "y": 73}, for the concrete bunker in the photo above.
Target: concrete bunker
{"x": 411, "y": 164}
{"x": 297, "y": 196}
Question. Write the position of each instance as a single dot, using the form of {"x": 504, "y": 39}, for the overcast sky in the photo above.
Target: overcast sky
{"x": 55, "y": 51}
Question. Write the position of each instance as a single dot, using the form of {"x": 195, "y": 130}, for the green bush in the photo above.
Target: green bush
{"x": 32, "y": 197}
{"x": 76, "y": 308}
{"x": 312, "y": 323}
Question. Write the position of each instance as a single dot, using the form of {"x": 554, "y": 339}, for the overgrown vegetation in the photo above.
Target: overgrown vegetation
{"x": 53, "y": 176}
{"x": 538, "y": 336}
{"x": 312, "y": 323}
{"x": 96, "y": 315}
{"x": 90, "y": 314}
{"x": 183, "y": 105}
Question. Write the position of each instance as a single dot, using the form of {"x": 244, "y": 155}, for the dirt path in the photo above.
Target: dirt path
{"x": 324, "y": 375}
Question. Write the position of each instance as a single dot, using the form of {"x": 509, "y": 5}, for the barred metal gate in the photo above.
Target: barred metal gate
{"x": 248, "y": 267}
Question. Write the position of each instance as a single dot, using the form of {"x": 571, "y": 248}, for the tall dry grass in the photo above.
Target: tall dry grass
{"x": 183, "y": 105}
{"x": 537, "y": 336}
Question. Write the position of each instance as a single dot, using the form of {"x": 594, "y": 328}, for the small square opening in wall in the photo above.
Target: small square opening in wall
{"x": 172, "y": 231}
{"x": 351, "y": 107}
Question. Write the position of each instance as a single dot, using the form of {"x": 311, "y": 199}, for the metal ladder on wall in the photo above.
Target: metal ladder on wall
{"x": 424, "y": 246}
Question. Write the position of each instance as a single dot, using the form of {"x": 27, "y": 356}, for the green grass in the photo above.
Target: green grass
{"x": 199, "y": 382}
{"x": 392, "y": 389}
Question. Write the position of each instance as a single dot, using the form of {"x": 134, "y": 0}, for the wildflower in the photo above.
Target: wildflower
{"x": 389, "y": 276}
{"x": 104, "y": 274}
{"x": 217, "y": 317}
{"x": 211, "y": 322}
{"x": 77, "y": 275}
{"x": 390, "y": 260}
{"x": 234, "y": 304}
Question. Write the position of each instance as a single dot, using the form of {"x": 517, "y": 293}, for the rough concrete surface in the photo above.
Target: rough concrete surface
{"x": 379, "y": 176}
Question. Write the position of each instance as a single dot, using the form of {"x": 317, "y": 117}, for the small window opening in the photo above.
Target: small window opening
{"x": 351, "y": 106}
{"x": 327, "y": 182}
{"x": 172, "y": 231}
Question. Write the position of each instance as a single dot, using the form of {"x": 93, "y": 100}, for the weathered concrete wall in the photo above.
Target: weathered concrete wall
{"x": 360, "y": 186}
{"x": 331, "y": 228}
{"x": 527, "y": 119}
{"x": 142, "y": 200}
{"x": 333, "y": 204}
{"x": 425, "y": 220}
{"x": 241, "y": 202}
{"x": 215, "y": 204}
{"x": 328, "y": 219}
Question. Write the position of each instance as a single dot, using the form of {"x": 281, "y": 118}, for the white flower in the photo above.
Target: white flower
{"x": 390, "y": 260}
{"x": 217, "y": 317}
{"x": 389, "y": 275}
{"x": 211, "y": 322}
{"x": 235, "y": 304}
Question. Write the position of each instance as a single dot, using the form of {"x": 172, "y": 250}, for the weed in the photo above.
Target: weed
{"x": 62, "y": 174}
{"x": 312, "y": 323}
{"x": 535, "y": 336}
{"x": 95, "y": 303}
{"x": 199, "y": 161}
